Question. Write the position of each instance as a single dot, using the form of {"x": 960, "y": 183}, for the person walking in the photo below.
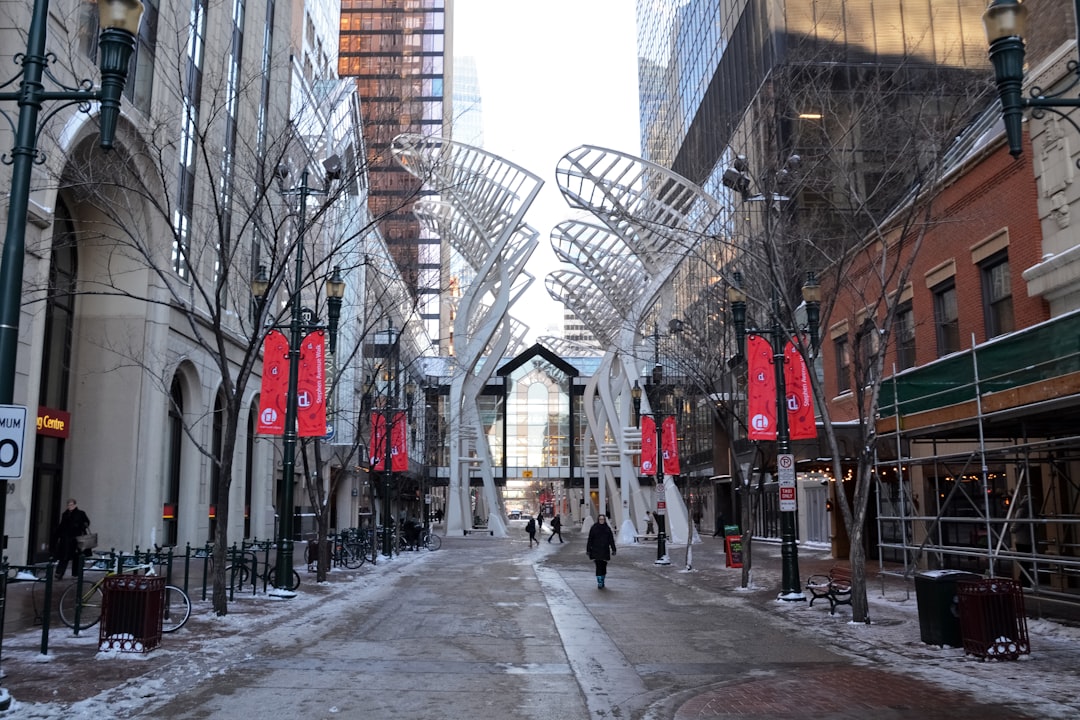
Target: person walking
{"x": 539, "y": 523}
{"x": 531, "y": 529}
{"x": 556, "y": 528}
{"x": 600, "y": 548}
{"x": 73, "y": 523}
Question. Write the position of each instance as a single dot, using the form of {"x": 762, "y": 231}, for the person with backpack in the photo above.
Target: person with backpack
{"x": 556, "y": 528}
{"x": 531, "y": 529}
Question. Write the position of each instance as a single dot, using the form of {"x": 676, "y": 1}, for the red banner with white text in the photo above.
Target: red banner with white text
{"x": 399, "y": 454}
{"x": 311, "y": 386}
{"x": 377, "y": 449}
{"x": 648, "y": 445}
{"x": 761, "y": 389}
{"x": 800, "y": 399}
{"x": 669, "y": 438}
{"x": 275, "y": 384}
{"x": 399, "y": 451}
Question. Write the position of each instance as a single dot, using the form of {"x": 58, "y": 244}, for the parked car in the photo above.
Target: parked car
{"x": 515, "y": 514}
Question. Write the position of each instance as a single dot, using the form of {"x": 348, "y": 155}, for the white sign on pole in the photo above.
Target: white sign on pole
{"x": 12, "y": 438}
{"x": 785, "y": 476}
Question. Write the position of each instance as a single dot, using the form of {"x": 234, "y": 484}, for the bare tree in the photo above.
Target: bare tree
{"x": 195, "y": 206}
{"x": 850, "y": 196}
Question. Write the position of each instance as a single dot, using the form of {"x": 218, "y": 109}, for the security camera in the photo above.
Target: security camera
{"x": 281, "y": 172}
{"x": 332, "y": 165}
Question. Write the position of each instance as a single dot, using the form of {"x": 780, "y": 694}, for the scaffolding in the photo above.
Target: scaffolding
{"x": 978, "y": 462}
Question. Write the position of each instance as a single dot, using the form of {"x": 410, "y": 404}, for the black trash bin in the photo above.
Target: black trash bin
{"x": 131, "y": 610}
{"x": 939, "y": 616}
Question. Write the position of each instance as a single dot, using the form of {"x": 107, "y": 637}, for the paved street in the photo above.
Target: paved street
{"x": 488, "y": 628}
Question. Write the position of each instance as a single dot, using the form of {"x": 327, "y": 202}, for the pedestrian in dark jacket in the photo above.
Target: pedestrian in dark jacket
{"x": 73, "y": 523}
{"x": 531, "y": 529}
{"x": 556, "y": 528}
{"x": 600, "y": 548}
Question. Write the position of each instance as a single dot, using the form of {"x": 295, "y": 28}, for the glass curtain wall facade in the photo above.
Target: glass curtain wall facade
{"x": 396, "y": 50}
{"x": 703, "y": 63}
{"x": 715, "y": 80}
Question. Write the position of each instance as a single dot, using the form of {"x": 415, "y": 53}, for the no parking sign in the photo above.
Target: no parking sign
{"x": 785, "y": 471}
{"x": 12, "y": 437}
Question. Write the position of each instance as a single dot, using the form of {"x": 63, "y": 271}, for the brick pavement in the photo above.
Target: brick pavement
{"x": 840, "y": 691}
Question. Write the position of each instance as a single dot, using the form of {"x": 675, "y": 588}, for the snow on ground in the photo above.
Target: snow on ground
{"x": 1046, "y": 682}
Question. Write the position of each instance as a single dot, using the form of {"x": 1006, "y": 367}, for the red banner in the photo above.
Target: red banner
{"x": 399, "y": 450}
{"x": 377, "y": 449}
{"x": 800, "y": 399}
{"x": 669, "y": 438}
{"x": 761, "y": 390}
{"x": 311, "y": 387}
{"x": 275, "y": 384}
{"x": 399, "y": 453}
{"x": 648, "y": 445}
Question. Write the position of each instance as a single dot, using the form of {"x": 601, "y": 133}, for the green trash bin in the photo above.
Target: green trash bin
{"x": 939, "y": 616}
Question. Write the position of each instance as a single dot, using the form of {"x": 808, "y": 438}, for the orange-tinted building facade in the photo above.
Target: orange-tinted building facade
{"x": 396, "y": 50}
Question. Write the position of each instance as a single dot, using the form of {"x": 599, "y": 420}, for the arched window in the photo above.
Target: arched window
{"x": 46, "y": 502}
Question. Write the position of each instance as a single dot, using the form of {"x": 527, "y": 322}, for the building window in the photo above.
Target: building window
{"x": 997, "y": 295}
{"x": 904, "y": 334}
{"x": 869, "y": 341}
{"x": 188, "y": 139}
{"x": 843, "y": 364}
{"x": 946, "y": 319}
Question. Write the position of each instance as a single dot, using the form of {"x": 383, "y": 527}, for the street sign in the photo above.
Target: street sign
{"x": 785, "y": 476}
{"x": 12, "y": 438}
{"x": 329, "y": 433}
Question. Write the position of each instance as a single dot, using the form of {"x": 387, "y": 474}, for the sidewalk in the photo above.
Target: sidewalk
{"x": 75, "y": 671}
{"x": 1042, "y": 683}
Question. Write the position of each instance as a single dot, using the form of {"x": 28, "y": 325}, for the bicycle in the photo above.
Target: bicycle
{"x": 430, "y": 540}
{"x": 241, "y": 572}
{"x": 175, "y": 605}
{"x": 344, "y": 551}
{"x": 349, "y": 553}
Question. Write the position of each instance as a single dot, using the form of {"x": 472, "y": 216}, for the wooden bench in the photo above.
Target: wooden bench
{"x": 645, "y": 537}
{"x": 834, "y": 587}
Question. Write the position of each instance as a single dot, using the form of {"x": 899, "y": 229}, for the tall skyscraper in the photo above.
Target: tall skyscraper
{"x": 397, "y": 50}
{"x": 707, "y": 67}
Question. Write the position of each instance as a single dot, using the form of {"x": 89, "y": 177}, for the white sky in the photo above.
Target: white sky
{"x": 553, "y": 76}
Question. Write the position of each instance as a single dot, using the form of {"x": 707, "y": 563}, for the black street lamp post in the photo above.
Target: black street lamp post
{"x": 298, "y": 324}
{"x": 1005, "y": 22}
{"x": 119, "y": 21}
{"x": 388, "y": 420}
{"x": 789, "y": 557}
{"x": 659, "y": 512}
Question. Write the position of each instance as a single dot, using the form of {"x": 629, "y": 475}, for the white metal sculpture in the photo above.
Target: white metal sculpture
{"x": 650, "y": 219}
{"x": 480, "y": 211}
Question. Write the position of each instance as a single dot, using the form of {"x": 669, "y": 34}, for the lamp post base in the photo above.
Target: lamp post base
{"x": 791, "y": 597}
{"x": 662, "y": 560}
{"x": 281, "y": 593}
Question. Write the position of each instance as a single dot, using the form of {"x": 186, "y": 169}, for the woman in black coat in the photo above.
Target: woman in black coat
{"x": 600, "y": 548}
{"x": 73, "y": 523}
